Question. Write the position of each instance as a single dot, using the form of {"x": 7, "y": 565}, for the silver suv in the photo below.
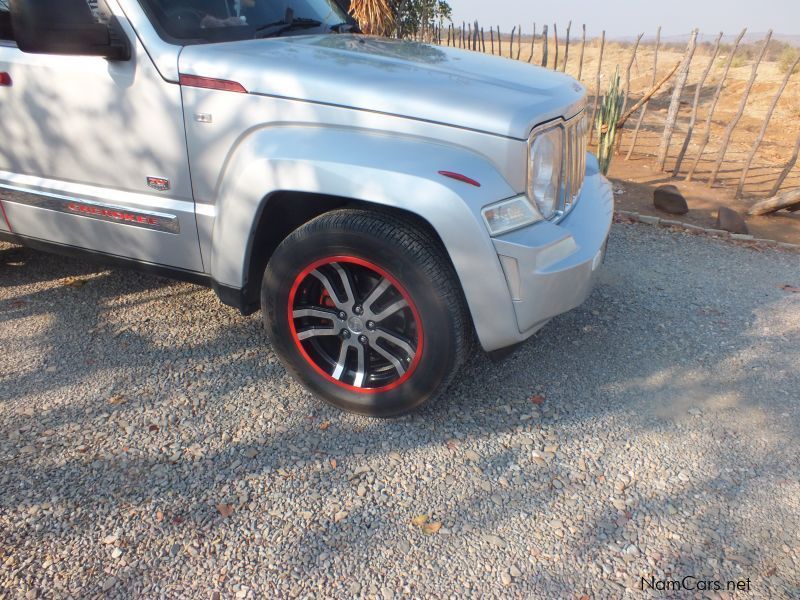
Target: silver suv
{"x": 383, "y": 202}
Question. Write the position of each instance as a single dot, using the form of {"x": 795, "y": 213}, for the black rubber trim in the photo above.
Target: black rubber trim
{"x": 236, "y": 297}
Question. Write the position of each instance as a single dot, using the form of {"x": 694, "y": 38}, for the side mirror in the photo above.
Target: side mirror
{"x": 65, "y": 27}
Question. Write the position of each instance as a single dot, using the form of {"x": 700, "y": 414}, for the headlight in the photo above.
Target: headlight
{"x": 510, "y": 214}
{"x": 544, "y": 170}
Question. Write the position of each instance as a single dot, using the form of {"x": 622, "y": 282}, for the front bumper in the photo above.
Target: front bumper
{"x": 550, "y": 268}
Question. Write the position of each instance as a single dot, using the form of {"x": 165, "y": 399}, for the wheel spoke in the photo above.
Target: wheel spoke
{"x": 341, "y": 361}
{"x": 328, "y": 288}
{"x": 320, "y": 313}
{"x": 397, "y": 341}
{"x": 344, "y": 275}
{"x": 361, "y": 373}
{"x": 396, "y": 362}
{"x": 316, "y": 331}
{"x": 355, "y": 324}
{"x": 376, "y": 293}
{"x": 391, "y": 309}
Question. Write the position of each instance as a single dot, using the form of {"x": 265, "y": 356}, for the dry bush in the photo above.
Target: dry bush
{"x": 787, "y": 58}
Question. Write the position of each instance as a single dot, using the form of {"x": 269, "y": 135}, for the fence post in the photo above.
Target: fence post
{"x": 566, "y": 49}
{"x": 544, "y": 47}
{"x": 726, "y": 138}
{"x": 483, "y": 42}
{"x": 644, "y": 107}
{"x": 597, "y": 87}
{"x": 763, "y": 131}
{"x": 787, "y": 168}
{"x": 555, "y": 43}
{"x": 519, "y": 41}
{"x": 491, "y": 38}
{"x": 583, "y": 47}
{"x": 511, "y": 43}
{"x": 475, "y": 37}
{"x": 693, "y": 118}
{"x": 714, "y": 100}
{"x": 533, "y": 41}
{"x": 675, "y": 103}
{"x": 499, "y": 42}
{"x": 627, "y": 89}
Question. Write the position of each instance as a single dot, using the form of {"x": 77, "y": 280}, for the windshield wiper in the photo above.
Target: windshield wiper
{"x": 279, "y": 27}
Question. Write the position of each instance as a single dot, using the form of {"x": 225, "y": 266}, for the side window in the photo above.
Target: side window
{"x": 5, "y": 17}
{"x": 5, "y": 22}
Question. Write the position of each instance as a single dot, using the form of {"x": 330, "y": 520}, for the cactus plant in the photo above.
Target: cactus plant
{"x": 606, "y": 123}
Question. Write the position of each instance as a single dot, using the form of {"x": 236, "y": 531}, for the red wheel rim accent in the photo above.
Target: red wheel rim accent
{"x": 303, "y": 276}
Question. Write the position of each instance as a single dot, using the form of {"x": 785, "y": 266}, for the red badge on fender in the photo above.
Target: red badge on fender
{"x": 158, "y": 183}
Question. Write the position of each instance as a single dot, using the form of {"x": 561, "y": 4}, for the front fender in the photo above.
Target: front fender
{"x": 392, "y": 171}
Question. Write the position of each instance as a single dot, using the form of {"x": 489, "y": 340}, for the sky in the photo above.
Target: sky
{"x": 628, "y": 17}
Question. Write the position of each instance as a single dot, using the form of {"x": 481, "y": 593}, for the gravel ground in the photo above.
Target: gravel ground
{"x": 151, "y": 445}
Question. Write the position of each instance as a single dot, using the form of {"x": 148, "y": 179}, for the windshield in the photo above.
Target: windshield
{"x": 205, "y": 21}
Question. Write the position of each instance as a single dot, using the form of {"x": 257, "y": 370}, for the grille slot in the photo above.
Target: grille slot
{"x": 574, "y": 165}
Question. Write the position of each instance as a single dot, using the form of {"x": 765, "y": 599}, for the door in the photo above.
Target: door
{"x": 93, "y": 154}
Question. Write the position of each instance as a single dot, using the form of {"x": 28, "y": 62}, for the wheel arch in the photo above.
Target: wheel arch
{"x": 282, "y": 212}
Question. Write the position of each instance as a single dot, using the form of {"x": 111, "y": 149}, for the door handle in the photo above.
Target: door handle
{"x": 5, "y": 79}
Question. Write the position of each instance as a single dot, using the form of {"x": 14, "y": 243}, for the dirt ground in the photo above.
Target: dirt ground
{"x": 635, "y": 180}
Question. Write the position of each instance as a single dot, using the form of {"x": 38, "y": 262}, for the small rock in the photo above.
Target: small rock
{"x": 472, "y": 455}
{"x": 669, "y": 199}
{"x": 110, "y": 582}
{"x": 730, "y": 220}
{"x": 494, "y": 540}
{"x": 505, "y": 578}
{"x": 514, "y": 571}
{"x": 116, "y": 553}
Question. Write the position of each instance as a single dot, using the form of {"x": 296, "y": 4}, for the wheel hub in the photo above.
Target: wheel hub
{"x": 355, "y": 324}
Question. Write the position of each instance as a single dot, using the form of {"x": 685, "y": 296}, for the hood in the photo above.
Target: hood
{"x": 408, "y": 79}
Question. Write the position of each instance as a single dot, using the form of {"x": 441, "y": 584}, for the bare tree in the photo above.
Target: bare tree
{"x": 763, "y": 131}
{"x": 675, "y": 103}
{"x": 726, "y": 138}
{"x": 714, "y": 100}
{"x": 695, "y": 104}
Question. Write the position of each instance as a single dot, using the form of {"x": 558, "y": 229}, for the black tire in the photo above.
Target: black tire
{"x": 360, "y": 369}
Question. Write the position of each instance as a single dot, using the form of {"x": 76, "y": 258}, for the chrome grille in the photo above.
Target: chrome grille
{"x": 574, "y": 165}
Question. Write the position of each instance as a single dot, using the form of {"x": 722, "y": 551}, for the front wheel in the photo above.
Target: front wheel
{"x": 365, "y": 310}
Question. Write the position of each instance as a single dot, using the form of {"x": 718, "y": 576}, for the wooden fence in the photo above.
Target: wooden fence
{"x": 672, "y": 129}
